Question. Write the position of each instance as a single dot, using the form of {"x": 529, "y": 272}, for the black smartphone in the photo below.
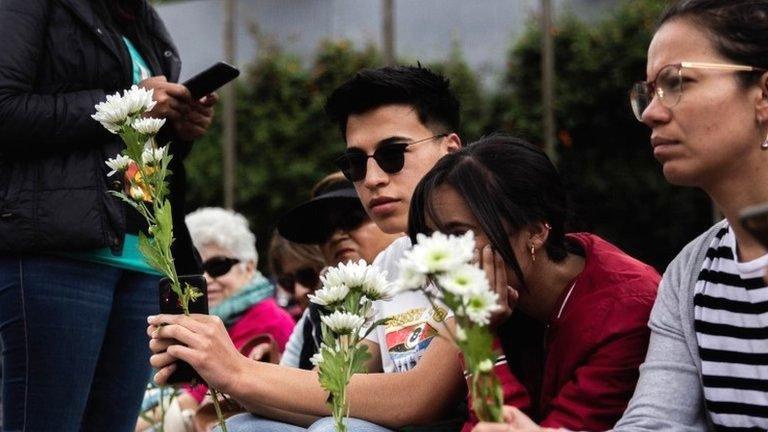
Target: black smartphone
{"x": 754, "y": 219}
{"x": 169, "y": 304}
{"x": 211, "y": 79}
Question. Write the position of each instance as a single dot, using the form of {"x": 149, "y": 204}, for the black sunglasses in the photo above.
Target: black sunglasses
{"x": 345, "y": 221}
{"x": 390, "y": 158}
{"x": 306, "y": 276}
{"x": 219, "y": 265}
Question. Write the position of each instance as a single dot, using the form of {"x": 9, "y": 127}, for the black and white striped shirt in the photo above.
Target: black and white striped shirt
{"x": 731, "y": 322}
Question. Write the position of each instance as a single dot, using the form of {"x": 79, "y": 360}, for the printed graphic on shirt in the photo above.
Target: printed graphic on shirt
{"x": 408, "y": 335}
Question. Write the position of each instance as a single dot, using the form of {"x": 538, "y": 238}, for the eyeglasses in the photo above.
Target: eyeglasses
{"x": 306, "y": 276}
{"x": 219, "y": 265}
{"x": 668, "y": 84}
{"x": 346, "y": 220}
{"x": 390, "y": 158}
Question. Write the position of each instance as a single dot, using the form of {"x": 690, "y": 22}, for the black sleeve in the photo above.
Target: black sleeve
{"x": 30, "y": 121}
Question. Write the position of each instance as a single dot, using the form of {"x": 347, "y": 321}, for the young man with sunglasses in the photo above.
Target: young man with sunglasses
{"x": 335, "y": 221}
{"x": 397, "y": 123}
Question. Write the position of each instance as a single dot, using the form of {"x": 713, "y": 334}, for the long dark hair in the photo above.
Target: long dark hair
{"x": 503, "y": 180}
{"x": 737, "y": 28}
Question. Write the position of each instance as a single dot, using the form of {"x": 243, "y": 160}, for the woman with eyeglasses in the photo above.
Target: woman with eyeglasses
{"x": 237, "y": 291}
{"x": 706, "y": 103}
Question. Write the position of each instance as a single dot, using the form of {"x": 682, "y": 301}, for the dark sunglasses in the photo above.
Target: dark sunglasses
{"x": 345, "y": 221}
{"x": 219, "y": 265}
{"x": 390, "y": 158}
{"x": 306, "y": 276}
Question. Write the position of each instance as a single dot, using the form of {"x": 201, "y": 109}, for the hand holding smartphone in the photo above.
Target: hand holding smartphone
{"x": 211, "y": 79}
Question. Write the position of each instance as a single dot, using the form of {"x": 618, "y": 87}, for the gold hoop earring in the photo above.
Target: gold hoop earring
{"x": 533, "y": 253}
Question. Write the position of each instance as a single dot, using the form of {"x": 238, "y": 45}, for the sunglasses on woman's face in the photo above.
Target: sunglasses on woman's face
{"x": 390, "y": 158}
{"x": 219, "y": 265}
{"x": 306, "y": 276}
{"x": 346, "y": 221}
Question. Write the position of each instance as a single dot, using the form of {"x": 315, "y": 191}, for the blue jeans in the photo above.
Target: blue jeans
{"x": 251, "y": 423}
{"x": 75, "y": 351}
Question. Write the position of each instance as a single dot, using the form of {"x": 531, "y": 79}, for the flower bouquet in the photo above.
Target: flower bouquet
{"x": 346, "y": 308}
{"x": 446, "y": 262}
{"x": 144, "y": 165}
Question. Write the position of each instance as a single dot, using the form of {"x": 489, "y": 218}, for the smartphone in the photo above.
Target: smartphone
{"x": 211, "y": 79}
{"x": 169, "y": 304}
{"x": 754, "y": 219}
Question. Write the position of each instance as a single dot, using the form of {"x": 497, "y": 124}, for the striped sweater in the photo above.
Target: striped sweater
{"x": 706, "y": 358}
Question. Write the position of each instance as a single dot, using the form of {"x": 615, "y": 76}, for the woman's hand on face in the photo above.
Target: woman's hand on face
{"x": 496, "y": 272}
{"x": 514, "y": 421}
{"x": 172, "y": 100}
{"x": 200, "y": 340}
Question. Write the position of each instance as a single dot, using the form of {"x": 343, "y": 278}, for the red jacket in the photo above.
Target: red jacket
{"x": 580, "y": 370}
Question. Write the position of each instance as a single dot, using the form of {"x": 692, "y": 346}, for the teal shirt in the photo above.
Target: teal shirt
{"x": 131, "y": 258}
{"x": 140, "y": 68}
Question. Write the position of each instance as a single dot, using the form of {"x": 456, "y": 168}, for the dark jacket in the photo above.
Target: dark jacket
{"x": 58, "y": 60}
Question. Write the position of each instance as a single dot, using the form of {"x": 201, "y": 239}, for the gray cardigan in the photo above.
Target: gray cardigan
{"x": 669, "y": 395}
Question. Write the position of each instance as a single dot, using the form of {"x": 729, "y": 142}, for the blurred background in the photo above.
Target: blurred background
{"x": 567, "y": 92}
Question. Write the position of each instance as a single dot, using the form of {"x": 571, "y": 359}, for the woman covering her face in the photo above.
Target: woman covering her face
{"x": 706, "y": 103}
{"x": 572, "y": 332}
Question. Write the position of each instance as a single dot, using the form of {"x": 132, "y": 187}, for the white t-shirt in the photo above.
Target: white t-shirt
{"x": 413, "y": 322}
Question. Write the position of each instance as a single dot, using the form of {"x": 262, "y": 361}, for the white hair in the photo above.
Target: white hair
{"x": 215, "y": 226}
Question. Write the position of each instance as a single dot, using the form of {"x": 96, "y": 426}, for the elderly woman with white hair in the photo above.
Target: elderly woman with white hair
{"x": 237, "y": 292}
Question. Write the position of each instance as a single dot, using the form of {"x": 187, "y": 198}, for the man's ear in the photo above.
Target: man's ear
{"x": 452, "y": 143}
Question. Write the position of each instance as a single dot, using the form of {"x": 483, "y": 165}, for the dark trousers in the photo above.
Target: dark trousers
{"x": 75, "y": 350}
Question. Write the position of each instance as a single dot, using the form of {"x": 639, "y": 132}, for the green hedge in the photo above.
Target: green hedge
{"x": 285, "y": 142}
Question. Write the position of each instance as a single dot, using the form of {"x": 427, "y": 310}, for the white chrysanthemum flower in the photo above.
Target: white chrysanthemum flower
{"x": 479, "y": 303}
{"x": 485, "y": 366}
{"x": 148, "y": 125}
{"x": 118, "y": 164}
{"x": 152, "y": 155}
{"x": 343, "y": 323}
{"x": 331, "y": 277}
{"x": 138, "y": 100}
{"x": 461, "y": 334}
{"x": 351, "y": 274}
{"x": 329, "y": 295}
{"x": 354, "y": 273}
{"x": 376, "y": 286}
{"x": 112, "y": 113}
{"x": 464, "y": 245}
{"x": 440, "y": 253}
{"x": 463, "y": 279}
{"x": 412, "y": 276}
{"x": 316, "y": 359}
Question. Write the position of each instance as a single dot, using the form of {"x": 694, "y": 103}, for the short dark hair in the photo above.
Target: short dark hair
{"x": 738, "y": 29}
{"x": 503, "y": 180}
{"x": 428, "y": 92}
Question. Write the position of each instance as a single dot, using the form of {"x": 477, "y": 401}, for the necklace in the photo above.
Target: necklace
{"x": 567, "y": 296}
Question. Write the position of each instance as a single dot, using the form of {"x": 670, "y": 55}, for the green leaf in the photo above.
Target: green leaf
{"x": 151, "y": 254}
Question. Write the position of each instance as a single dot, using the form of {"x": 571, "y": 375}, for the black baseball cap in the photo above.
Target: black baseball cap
{"x": 314, "y": 221}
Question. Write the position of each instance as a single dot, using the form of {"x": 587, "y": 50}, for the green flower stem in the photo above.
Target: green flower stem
{"x": 219, "y": 415}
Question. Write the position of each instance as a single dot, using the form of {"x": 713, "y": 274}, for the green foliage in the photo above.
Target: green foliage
{"x": 615, "y": 184}
{"x": 286, "y": 143}
{"x": 474, "y": 107}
